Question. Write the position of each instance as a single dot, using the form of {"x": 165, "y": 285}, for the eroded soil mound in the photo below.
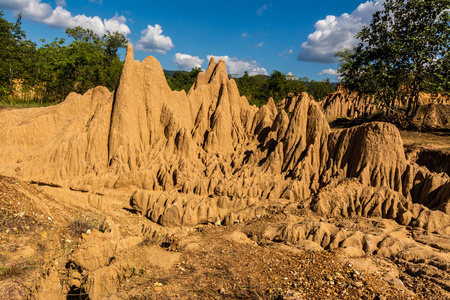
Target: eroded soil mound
{"x": 208, "y": 157}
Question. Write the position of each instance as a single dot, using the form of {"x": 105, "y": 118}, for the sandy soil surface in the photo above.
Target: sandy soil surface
{"x": 431, "y": 140}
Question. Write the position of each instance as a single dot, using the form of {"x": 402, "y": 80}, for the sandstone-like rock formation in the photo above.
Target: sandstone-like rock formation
{"x": 209, "y": 157}
{"x": 348, "y": 104}
{"x": 433, "y": 113}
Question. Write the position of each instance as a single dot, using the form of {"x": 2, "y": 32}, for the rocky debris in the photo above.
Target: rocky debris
{"x": 265, "y": 256}
{"x": 224, "y": 267}
{"x": 383, "y": 238}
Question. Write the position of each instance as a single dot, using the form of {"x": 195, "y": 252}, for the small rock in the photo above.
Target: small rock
{"x": 358, "y": 284}
{"x": 74, "y": 283}
{"x": 157, "y": 287}
{"x": 292, "y": 295}
{"x": 222, "y": 291}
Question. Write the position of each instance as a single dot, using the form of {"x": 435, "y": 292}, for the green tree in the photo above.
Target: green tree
{"x": 96, "y": 58}
{"x": 403, "y": 52}
{"x": 88, "y": 61}
{"x": 49, "y": 73}
{"x": 183, "y": 80}
{"x": 319, "y": 89}
{"x": 277, "y": 85}
{"x": 55, "y": 70}
{"x": 259, "y": 88}
{"x": 16, "y": 56}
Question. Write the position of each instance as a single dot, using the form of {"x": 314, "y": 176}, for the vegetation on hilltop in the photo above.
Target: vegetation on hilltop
{"x": 258, "y": 88}
{"x": 180, "y": 80}
{"x": 404, "y": 51}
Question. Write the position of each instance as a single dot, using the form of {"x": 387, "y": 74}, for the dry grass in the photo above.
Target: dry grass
{"x": 15, "y": 270}
{"x": 82, "y": 223}
{"x": 168, "y": 241}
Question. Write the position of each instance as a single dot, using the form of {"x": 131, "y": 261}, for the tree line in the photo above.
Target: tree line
{"x": 49, "y": 72}
{"x": 258, "y": 88}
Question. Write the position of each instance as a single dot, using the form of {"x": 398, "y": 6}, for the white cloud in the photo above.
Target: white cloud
{"x": 96, "y": 1}
{"x": 152, "y": 40}
{"x": 289, "y": 74}
{"x": 329, "y": 71}
{"x": 336, "y": 33}
{"x": 187, "y": 62}
{"x": 62, "y": 3}
{"x": 32, "y": 9}
{"x": 245, "y": 34}
{"x": 286, "y": 53}
{"x": 260, "y": 45}
{"x": 237, "y": 66}
{"x": 40, "y": 12}
{"x": 261, "y": 10}
{"x": 117, "y": 23}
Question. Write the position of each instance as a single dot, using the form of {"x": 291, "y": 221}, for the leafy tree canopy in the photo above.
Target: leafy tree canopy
{"x": 404, "y": 51}
{"x": 182, "y": 80}
{"x": 50, "y": 72}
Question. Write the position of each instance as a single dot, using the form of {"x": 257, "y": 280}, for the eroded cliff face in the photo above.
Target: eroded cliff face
{"x": 209, "y": 157}
{"x": 432, "y": 114}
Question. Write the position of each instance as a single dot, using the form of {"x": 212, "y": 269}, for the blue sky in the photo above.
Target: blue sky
{"x": 257, "y": 36}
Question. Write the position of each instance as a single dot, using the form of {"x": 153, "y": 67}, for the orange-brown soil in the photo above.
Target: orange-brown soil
{"x": 152, "y": 193}
{"x": 205, "y": 262}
